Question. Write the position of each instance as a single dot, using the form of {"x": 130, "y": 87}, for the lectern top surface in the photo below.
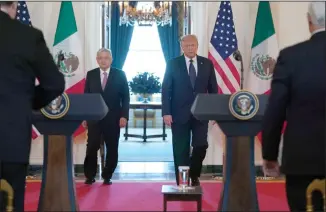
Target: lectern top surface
{"x": 82, "y": 107}
{"x": 216, "y": 107}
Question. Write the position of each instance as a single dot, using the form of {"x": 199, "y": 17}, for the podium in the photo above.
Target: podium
{"x": 239, "y": 173}
{"x": 58, "y": 186}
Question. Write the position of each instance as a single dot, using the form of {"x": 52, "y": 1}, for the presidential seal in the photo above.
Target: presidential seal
{"x": 263, "y": 66}
{"x": 243, "y": 105}
{"x": 67, "y": 63}
{"x": 57, "y": 108}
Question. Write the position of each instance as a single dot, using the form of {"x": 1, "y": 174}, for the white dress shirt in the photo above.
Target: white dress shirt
{"x": 194, "y": 62}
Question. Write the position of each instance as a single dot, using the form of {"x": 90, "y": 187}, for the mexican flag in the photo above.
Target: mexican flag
{"x": 264, "y": 51}
{"x": 68, "y": 52}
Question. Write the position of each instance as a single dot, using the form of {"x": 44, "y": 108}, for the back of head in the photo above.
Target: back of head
{"x": 316, "y": 14}
{"x": 9, "y": 7}
{"x": 4, "y": 4}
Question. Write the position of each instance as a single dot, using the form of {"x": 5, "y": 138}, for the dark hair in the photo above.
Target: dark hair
{"x": 6, "y": 3}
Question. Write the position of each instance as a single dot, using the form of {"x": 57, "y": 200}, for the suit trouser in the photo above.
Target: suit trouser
{"x": 296, "y": 186}
{"x": 195, "y": 131}
{"x": 15, "y": 175}
{"x": 110, "y": 133}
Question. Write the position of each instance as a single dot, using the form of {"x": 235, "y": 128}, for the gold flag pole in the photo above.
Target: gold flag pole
{"x": 7, "y": 188}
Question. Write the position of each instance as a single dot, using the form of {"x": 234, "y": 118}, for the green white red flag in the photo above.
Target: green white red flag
{"x": 68, "y": 42}
{"x": 264, "y": 53}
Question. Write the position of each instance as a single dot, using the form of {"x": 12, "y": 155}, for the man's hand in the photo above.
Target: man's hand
{"x": 213, "y": 122}
{"x": 84, "y": 124}
{"x": 271, "y": 168}
{"x": 168, "y": 120}
{"x": 123, "y": 122}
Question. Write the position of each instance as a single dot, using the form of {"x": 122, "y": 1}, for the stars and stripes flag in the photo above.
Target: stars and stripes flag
{"x": 23, "y": 14}
{"x": 222, "y": 45}
{"x": 24, "y": 17}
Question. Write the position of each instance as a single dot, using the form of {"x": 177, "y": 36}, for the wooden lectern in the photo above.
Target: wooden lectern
{"x": 58, "y": 185}
{"x": 239, "y": 180}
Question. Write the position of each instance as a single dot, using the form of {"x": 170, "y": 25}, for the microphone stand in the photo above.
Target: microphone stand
{"x": 61, "y": 57}
{"x": 237, "y": 56}
{"x": 241, "y": 73}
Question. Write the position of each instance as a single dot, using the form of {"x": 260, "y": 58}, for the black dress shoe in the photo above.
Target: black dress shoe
{"x": 89, "y": 181}
{"x": 195, "y": 182}
{"x": 107, "y": 182}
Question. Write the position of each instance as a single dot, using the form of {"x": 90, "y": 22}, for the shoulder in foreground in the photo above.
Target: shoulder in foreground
{"x": 26, "y": 29}
{"x": 295, "y": 49}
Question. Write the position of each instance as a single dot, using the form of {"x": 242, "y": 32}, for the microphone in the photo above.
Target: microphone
{"x": 238, "y": 57}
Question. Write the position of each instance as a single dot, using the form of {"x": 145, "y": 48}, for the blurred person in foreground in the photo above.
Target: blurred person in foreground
{"x": 24, "y": 57}
{"x": 298, "y": 92}
{"x": 185, "y": 77}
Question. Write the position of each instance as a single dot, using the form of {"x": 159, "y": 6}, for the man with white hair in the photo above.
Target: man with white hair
{"x": 112, "y": 84}
{"x": 298, "y": 93}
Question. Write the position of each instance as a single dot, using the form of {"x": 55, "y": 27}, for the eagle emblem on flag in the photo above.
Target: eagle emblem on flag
{"x": 263, "y": 66}
{"x": 67, "y": 63}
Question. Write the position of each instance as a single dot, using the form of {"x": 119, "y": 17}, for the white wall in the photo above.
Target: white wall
{"x": 289, "y": 21}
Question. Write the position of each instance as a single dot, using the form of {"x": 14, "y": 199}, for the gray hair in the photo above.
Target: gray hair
{"x": 316, "y": 11}
{"x": 104, "y": 50}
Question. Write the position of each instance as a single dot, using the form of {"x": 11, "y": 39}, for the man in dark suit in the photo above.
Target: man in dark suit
{"x": 184, "y": 78}
{"x": 298, "y": 97}
{"x": 24, "y": 57}
{"x": 112, "y": 84}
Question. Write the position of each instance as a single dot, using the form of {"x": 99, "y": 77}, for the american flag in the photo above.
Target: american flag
{"x": 222, "y": 45}
{"x": 23, "y": 14}
{"x": 23, "y": 17}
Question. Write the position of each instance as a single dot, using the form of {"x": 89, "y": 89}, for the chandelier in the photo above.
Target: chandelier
{"x": 146, "y": 13}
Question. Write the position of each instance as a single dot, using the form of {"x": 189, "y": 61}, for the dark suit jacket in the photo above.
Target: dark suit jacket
{"x": 24, "y": 56}
{"x": 177, "y": 92}
{"x": 116, "y": 93}
{"x": 298, "y": 96}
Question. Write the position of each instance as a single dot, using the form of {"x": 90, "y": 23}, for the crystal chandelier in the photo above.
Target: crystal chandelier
{"x": 146, "y": 13}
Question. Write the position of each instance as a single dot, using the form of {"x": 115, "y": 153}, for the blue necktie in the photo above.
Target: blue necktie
{"x": 192, "y": 73}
